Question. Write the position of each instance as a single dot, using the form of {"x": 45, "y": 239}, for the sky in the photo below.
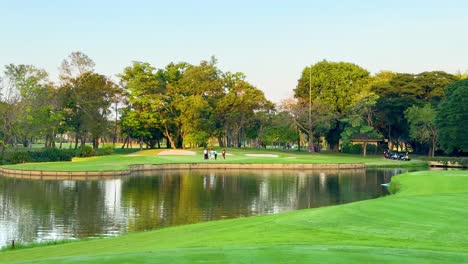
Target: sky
{"x": 269, "y": 41}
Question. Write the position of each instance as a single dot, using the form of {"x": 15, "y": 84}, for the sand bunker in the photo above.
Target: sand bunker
{"x": 262, "y": 155}
{"x": 176, "y": 152}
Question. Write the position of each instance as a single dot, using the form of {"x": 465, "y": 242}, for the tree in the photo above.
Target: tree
{"x": 167, "y": 102}
{"x": 402, "y": 91}
{"x": 313, "y": 119}
{"x": 359, "y": 122}
{"x": 276, "y": 128}
{"x": 178, "y": 100}
{"x": 461, "y": 75}
{"x": 86, "y": 100}
{"x": 10, "y": 110}
{"x": 422, "y": 125}
{"x": 75, "y": 65}
{"x": 236, "y": 109}
{"x": 334, "y": 84}
{"x": 144, "y": 90}
{"x": 197, "y": 92}
{"x": 25, "y": 103}
{"x": 452, "y": 118}
{"x": 432, "y": 85}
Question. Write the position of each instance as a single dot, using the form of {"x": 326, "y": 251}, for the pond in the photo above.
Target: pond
{"x": 39, "y": 210}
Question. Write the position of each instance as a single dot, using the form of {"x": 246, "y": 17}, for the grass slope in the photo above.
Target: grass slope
{"x": 425, "y": 222}
{"x": 121, "y": 162}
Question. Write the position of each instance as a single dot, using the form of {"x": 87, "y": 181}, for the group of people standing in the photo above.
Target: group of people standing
{"x": 213, "y": 154}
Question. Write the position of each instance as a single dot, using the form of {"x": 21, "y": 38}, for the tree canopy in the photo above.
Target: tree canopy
{"x": 452, "y": 118}
{"x": 194, "y": 105}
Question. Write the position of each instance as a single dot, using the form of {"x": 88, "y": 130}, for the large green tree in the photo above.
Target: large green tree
{"x": 360, "y": 121}
{"x": 334, "y": 84}
{"x": 198, "y": 92}
{"x": 402, "y": 91}
{"x": 26, "y": 104}
{"x": 178, "y": 100}
{"x": 422, "y": 125}
{"x": 236, "y": 109}
{"x": 314, "y": 119}
{"x": 452, "y": 118}
{"x": 86, "y": 100}
{"x": 276, "y": 128}
{"x": 144, "y": 89}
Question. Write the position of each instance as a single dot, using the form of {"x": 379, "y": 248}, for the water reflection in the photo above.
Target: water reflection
{"x": 34, "y": 210}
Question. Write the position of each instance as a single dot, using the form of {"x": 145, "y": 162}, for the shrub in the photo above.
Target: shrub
{"x": 371, "y": 149}
{"x": 19, "y": 157}
{"x": 352, "y": 149}
{"x": 357, "y": 149}
{"x": 52, "y": 155}
{"x": 106, "y": 150}
{"x": 86, "y": 151}
{"x": 43, "y": 155}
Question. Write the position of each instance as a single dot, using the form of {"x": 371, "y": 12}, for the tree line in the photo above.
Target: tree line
{"x": 185, "y": 105}
{"x": 423, "y": 112}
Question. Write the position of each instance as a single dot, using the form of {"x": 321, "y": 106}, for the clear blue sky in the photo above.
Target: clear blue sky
{"x": 270, "y": 41}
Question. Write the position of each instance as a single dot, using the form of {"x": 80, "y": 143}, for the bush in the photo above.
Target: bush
{"x": 52, "y": 155}
{"x": 106, "y": 150}
{"x": 86, "y": 151}
{"x": 352, "y": 149}
{"x": 19, "y": 157}
{"x": 371, "y": 149}
{"x": 43, "y": 155}
{"x": 357, "y": 149}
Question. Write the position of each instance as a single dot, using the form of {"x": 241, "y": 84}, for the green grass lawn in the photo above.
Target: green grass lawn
{"x": 121, "y": 161}
{"x": 425, "y": 222}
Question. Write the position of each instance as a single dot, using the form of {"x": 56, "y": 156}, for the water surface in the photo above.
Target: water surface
{"x": 39, "y": 210}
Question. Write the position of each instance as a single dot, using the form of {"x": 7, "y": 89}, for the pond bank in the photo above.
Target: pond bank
{"x": 137, "y": 168}
{"x": 446, "y": 164}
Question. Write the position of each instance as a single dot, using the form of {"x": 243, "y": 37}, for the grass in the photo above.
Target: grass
{"x": 424, "y": 222}
{"x": 121, "y": 161}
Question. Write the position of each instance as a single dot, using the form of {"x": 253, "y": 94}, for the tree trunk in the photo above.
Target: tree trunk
{"x": 141, "y": 143}
{"x": 46, "y": 142}
{"x": 2, "y": 151}
{"x": 364, "y": 148}
{"x": 298, "y": 140}
{"x": 433, "y": 145}
{"x": 76, "y": 141}
{"x": 220, "y": 142}
{"x": 311, "y": 140}
{"x": 52, "y": 139}
{"x": 83, "y": 141}
{"x": 15, "y": 143}
{"x": 125, "y": 142}
{"x": 114, "y": 140}
{"x": 168, "y": 136}
{"x": 95, "y": 142}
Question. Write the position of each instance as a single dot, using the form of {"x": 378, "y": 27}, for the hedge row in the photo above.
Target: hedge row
{"x": 50, "y": 155}
{"x": 357, "y": 149}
